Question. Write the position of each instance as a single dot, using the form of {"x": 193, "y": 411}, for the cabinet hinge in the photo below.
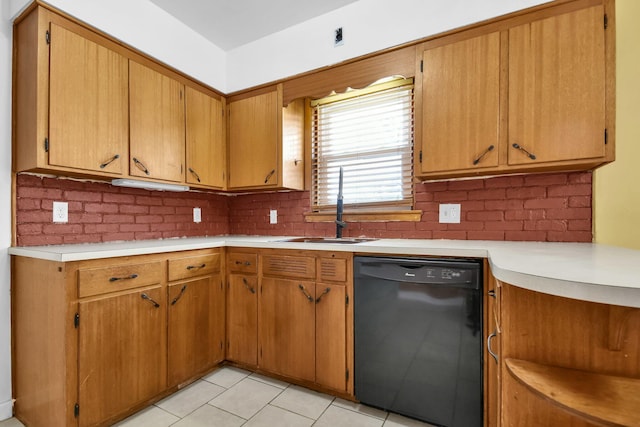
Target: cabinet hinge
{"x": 606, "y": 136}
{"x": 76, "y": 410}
{"x": 422, "y": 66}
{"x": 221, "y": 345}
{"x": 606, "y": 21}
{"x": 346, "y": 376}
{"x": 47, "y": 37}
{"x": 46, "y": 145}
{"x": 76, "y": 320}
{"x": 420, "y": 156}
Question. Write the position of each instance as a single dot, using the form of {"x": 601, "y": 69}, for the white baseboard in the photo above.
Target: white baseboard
{"x": 6, "y": 410}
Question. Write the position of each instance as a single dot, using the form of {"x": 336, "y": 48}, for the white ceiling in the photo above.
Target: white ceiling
{"x": 232, "y": 23}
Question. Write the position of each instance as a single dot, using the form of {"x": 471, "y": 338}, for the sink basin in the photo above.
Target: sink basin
{"x": 342, "y": 240}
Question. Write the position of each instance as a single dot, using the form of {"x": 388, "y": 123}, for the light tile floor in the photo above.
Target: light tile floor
{"x": 232, "y": 397}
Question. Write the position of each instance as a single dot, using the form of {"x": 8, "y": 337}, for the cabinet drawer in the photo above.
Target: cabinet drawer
{"x": 289, "y": 266}
{"x": 183, "y": 268}
{"x": 332, "y": 269}
{"x": 96, "y": 281}
{"x": 242, "y": 263}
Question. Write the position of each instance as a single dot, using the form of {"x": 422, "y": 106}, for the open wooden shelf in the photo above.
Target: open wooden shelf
{"x": 603, "y": 399}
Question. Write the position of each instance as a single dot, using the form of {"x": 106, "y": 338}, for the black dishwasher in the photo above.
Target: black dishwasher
{"x": 418, "y": 337}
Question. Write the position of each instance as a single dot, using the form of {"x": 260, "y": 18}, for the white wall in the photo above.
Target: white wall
{"x": 368, "y": 26}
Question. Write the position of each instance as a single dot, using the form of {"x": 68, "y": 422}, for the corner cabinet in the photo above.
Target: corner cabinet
{"x": 266, "y": 141}
{"x": 94, "y": 341}
{"x": 529, "y": 96}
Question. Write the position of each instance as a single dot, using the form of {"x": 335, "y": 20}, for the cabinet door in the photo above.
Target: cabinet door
{"x": 254, "y": 125}
{"x": 331, "y": 340}
{"x": 242, "y": 319}
{"x": 461, "y": 105}
{"x": 557, "y": 88}
{"x": 88, "y": 105}
{"x": 195, "y": 327}
{"x": 205, "y": 140}
{"x": 121, "y": 352}
{"x": 157, "y": 125}
{"x": 287, "y": 328}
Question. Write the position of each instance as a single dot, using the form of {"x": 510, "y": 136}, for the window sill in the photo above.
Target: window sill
{"x": 364, "y": 216}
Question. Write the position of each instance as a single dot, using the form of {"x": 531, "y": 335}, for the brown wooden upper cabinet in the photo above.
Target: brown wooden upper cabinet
{"x": 461, "y": 105}
{"x": 265, "y": 141}
{"x": 205, "y": 146}
{"x": 528, "y": 97}
{"x": 157, "y": 125}
{"x": 86, "y": 106}
{"x": 71, "y": 107}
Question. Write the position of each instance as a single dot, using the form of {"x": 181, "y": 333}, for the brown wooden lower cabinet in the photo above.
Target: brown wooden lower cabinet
{"x": 96, "y": 340}
{"x": 566, "y": 362}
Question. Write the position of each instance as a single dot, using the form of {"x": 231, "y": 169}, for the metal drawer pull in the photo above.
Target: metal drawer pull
{"x": 246, "y": 285}
{"x": 484, "y": 153}
{"x": 140, "y": 166}
{"x": 108, "y": 162}
{"x": 326, "y": 291}
{"x": 194, "y": 174}
{"x": 493, "y": 335}
{"x": 247, "y": 263}
{"x": 306, "y": 294}
{"x": 192, "y": 267}
{"x": 529, "y": 155}
{"x": 175, "y": 300}
{"x": 148, "y": 298}
{"x": 115, "y": 279}
{"x": 269, "y": 175}
{"x": 492, "y": 293}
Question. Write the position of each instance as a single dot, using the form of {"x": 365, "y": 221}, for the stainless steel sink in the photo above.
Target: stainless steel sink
{"x": 341, "y": 240}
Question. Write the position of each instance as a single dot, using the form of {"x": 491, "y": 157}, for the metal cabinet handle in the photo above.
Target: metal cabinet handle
{"x": 140, "y": 166}
{"x": 108, "y": 162}
{"x": 148, "y": 298}
{"x": 493, "y": 335}
{"x": 175, "y": 300}
{"x": 130, "y": 277}
{"x": 484, "y": 153}
{"x": 246, "y": 285}
{"x": 269, "y": 175}
{"x": 492, "y": 293}
{"x": 306, "y": 294}
{"x": 247, "y": 263}
{"x": 326, "y": 291}
{"x": 528, "y": 154}
{"x": 194, "y": 267}
{"x": 194, "y": 174}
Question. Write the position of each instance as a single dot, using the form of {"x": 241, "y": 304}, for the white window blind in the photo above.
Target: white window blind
{"x": 369, "y": 133}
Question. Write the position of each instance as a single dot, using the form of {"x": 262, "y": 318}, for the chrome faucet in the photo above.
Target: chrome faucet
{"x": 340, "y": 224}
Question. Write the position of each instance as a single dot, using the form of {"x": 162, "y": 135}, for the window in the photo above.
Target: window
{"x": 369, "y": 133}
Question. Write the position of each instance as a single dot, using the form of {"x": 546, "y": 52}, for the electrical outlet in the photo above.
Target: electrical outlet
{"x": 197, "y": 215}
{"x": 338, "y": 39}
{"x": 273, "y": 216}
{"x": 450, "y": 213}
{"x": 60, "y": 212}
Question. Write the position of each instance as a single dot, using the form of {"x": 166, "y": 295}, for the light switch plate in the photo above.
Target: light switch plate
{"x": 449, "y": 213}
{"x": 197, "y": 215}
{"x": 60, "y": 212}
{"x": 273, "y": 216}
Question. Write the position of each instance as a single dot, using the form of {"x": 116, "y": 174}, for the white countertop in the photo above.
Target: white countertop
{"x": 584, "y": 271}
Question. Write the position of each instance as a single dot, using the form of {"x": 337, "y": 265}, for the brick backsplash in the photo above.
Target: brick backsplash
{"x": 537, "y": 207}
{"x": 100, "y": 212}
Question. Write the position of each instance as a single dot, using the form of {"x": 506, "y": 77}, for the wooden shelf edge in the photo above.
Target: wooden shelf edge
{"x": 602, "y": 399}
